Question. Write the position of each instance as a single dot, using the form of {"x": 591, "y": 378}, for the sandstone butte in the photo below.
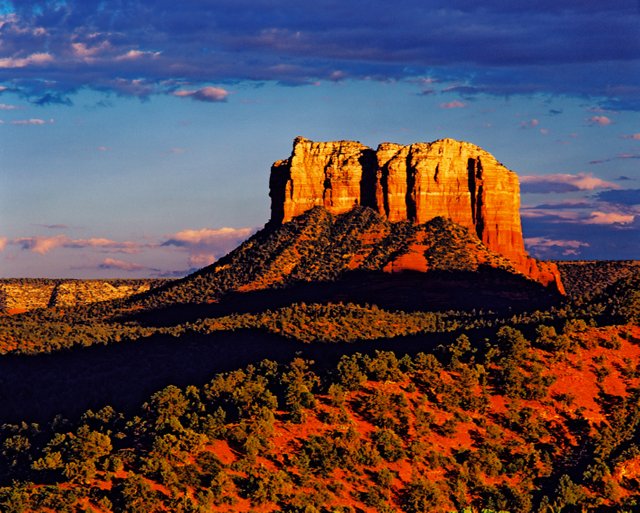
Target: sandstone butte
{"x": 448, "y": 178}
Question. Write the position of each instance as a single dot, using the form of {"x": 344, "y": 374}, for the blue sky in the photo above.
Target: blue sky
{"x": 136, "y": 137}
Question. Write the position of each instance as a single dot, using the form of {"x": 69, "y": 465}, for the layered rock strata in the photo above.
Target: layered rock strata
{"x": 18, "y": 296}
{"x": 417, "y": 182}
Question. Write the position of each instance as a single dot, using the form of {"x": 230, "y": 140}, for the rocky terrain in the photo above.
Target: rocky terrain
{"x": 416, "y": 183}
{"x": 383, "y": 345}
{"x": 22, "y": 295}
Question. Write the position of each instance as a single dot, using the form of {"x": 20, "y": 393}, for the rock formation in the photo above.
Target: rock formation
{"x": 418, "y": 182}
{"x": 18, "y": 296}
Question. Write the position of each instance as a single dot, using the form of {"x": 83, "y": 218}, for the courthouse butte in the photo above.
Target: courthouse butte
{"x": 416, "y": 183}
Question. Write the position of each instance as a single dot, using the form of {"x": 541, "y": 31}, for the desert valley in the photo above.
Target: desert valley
{"x": 384, "y": 344}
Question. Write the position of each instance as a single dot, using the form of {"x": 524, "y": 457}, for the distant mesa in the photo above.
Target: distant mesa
{"x": 417, "y": 183}
{"x": 21, "y": 295}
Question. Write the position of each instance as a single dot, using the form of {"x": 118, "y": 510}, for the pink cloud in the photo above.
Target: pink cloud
{"x": 133, "y": 55}
{"x": 114, "y": 263}
{"x": 564, "y": 182}
{"x": 530, "y": 124}
{"x": 36, "y": 59}
{"x": 201, "y": 260}
{"x": 3, "y": 243}
{"x": 206, "y": 244}
{"x": 635, "y": 137}
{"x": 455, "y": 104}
{"x": 207, "y": 236}
{"x": 542, "y": 245}
{"x": 89, "y": 53}
{"x": 600, "y": 120}
{"x": 4, "y": 106}
{"x": 107, "y": 244}
{"x": 205, "y": 94}
{"x": 43, "y": 245}
{"x": 609, "y": 218}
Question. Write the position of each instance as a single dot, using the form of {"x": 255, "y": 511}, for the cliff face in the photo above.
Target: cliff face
{"x": 416, "y": 183}
{"x": 22, "y": 295}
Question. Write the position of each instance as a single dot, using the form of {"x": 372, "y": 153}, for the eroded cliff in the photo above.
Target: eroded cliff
{"x": 21, "y": 295}
{"x": 417, "y": 182}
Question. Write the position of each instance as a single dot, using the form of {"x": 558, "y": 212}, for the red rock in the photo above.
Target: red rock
{"x": 418, "y": 182}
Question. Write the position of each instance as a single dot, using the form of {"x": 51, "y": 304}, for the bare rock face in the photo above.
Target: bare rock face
{"x": 17, "y": 296}
{"x": 319, "y": 174}
{"x": 418, "y": 182}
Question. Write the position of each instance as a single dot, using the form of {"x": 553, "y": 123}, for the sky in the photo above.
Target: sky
{"x": 136, "y": 136}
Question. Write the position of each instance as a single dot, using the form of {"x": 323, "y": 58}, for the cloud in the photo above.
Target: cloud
{"x": 599, "y": 120}
{"x": 204, "y": 246}
{"x": 492, "y": 47}
{"x": 544, "y": 245}
{"x": 201, "y": 260}
{"x": 609, "y": 218}
{"x": 206, "y": 94}
{"x": 114, "y": 263}
{"x": 530, "y": 124}
{"x": 621, "y": 196}
{"x": 207, "y": 236}
{"x": 43, "y": 245}
{"x": 32, "y": 121}
{"x": 4, "y": 106}
{"x": 635, "y": 137}
{"x": 455, "y": 104}
{"x": 561, "y": 205}
{"x": 620, "y": 156}
{"x": 3, "y": 243}
{"x": 35, "y": 59}
{"x": 53, "y": 226}
{"x": 561, "y": 183}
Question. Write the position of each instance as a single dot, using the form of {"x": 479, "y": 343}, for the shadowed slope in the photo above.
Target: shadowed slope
{"x": 356, "y": 256}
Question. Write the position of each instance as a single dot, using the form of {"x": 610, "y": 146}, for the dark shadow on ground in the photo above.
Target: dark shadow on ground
{"x": 123, "y": 375}
{"x": 486, "y": 289}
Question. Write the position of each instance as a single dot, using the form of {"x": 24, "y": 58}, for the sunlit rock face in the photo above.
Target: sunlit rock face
{"x": 418, "y": 182}
{"x": 24, "y": 295}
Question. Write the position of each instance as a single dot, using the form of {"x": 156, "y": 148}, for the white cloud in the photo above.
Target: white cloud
{"x": 32, "y": 121}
